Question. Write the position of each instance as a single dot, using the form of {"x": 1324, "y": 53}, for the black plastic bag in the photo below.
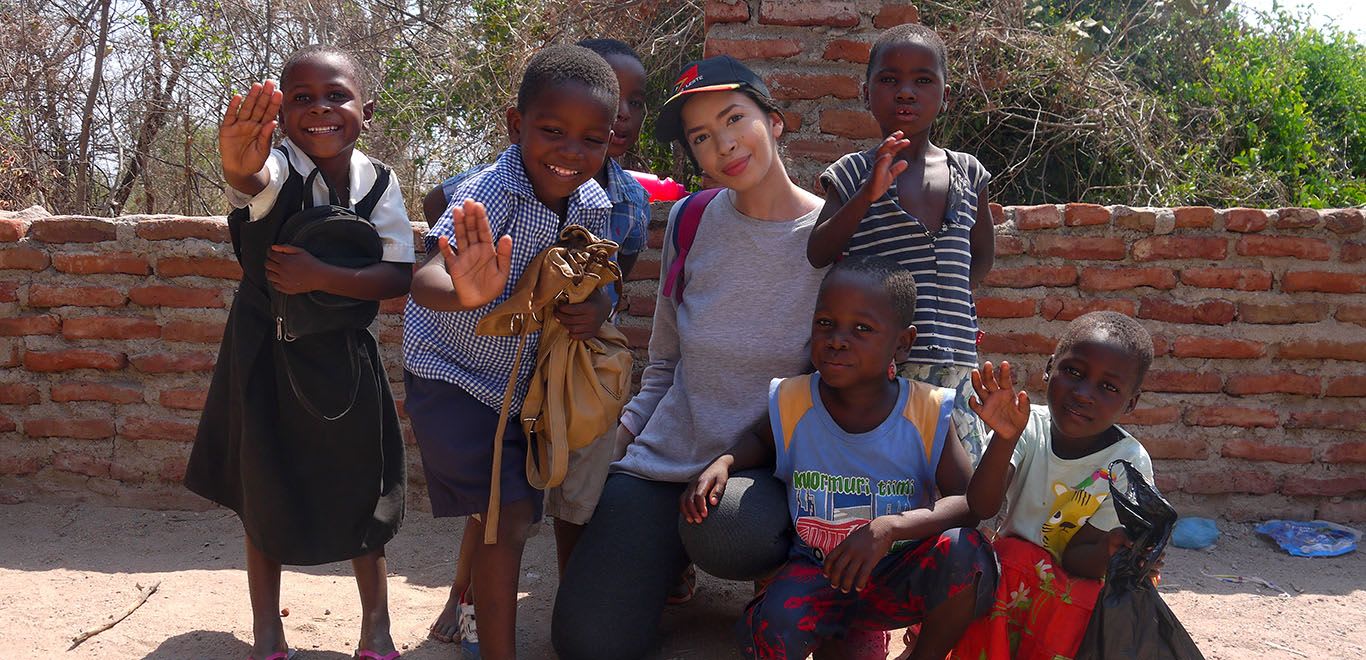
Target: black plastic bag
{"x": 1130, "y": 619}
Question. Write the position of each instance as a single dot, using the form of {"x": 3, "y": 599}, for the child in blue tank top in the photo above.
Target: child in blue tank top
{"x": 875, "y": 483}
{"x": 920, "y": 205}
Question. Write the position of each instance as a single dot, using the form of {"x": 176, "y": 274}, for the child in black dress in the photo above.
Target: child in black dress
{"x": 309, "y": 457}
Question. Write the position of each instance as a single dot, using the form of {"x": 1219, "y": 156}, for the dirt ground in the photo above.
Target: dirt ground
{"x": 68, "y": 568}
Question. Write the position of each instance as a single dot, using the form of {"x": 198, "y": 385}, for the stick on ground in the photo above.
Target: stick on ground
{"x": 78, "y": 639}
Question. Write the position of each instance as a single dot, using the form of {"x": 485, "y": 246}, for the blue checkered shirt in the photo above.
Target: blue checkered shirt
{"x": 443, "y": 345}
{"x": 630, "y": 219}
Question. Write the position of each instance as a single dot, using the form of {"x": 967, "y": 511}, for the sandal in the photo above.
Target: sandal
{"x": 374, "y": 655}
{"x": 686, "y": 587}
{"x": 278, "y": 655}
{"x": 468, "y": 632}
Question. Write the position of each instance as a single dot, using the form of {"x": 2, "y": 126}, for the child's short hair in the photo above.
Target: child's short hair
{"x": 910, "y": 33}
{"x": 352, "y": 65}
{"x": 556, "y": 65}
{"x": 897, "y": 282}
{"x": 1115, "y": 329}
{"x": 607, "y": 47}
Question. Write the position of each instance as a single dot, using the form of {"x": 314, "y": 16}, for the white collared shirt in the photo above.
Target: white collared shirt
{"x": 390, "y": 217}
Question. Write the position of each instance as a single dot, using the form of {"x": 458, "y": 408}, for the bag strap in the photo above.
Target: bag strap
{"x": 684, "y": 233}
{"x": 366, "y": 206}
{"x": 308, "y": 190}
{"x": 495, "y": 480}
{"x": 302, "y": 398}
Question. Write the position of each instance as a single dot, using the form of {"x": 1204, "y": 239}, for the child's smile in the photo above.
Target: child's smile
{"x": 323, "y": 112}
{"x": 563, "y": 133}
{"x": 1089, "y": 387}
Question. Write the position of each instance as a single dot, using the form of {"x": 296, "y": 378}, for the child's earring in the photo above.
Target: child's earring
{"x": 891, "y": 370}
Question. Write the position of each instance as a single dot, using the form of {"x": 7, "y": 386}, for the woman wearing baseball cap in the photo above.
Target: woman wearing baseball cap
{"x": 734, "y": 318}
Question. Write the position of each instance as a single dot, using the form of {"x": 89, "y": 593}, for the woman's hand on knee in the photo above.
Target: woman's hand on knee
{"x": 705, "y": 490}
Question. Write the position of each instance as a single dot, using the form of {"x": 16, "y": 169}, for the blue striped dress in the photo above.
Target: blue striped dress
{"x": 945, "y": 316}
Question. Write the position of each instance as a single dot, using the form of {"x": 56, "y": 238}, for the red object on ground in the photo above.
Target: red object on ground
{"x": 661, "y": 190}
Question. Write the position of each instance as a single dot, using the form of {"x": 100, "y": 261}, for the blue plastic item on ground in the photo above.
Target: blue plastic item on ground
{"x": 1195, "y": 533}
{"x": 1315, "y": 538}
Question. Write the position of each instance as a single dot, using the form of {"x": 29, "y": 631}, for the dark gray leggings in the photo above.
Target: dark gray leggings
{"x": 612, "y": 593}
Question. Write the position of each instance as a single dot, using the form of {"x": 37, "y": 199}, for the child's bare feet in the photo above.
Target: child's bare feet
{"x": 446, "y": 628}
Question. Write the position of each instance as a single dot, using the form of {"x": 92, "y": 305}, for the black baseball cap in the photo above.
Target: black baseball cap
{"x": 714, "y": 74}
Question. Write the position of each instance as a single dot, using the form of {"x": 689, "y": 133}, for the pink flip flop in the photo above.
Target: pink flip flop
{"x": 374, "y": 655}
{"x": 278, "y": 655}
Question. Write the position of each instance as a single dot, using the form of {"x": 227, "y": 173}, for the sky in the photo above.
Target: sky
{"x": 1339, "y": 12}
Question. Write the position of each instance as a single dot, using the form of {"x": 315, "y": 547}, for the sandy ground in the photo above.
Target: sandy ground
{"x": 67, "y": 568}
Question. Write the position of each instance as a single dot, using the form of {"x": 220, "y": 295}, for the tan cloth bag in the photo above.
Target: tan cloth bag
{"x": 579, "y": 387}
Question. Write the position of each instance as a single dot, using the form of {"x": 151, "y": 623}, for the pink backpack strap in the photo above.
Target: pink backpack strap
{"x": 684, "y": 233}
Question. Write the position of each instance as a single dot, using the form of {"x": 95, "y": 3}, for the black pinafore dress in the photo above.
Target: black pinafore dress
{"x": 308, "y": 490}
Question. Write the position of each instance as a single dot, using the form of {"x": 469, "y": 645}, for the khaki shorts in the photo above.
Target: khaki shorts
{"x": 574, "y": 500}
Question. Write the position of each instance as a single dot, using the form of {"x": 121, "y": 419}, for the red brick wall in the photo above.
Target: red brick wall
{"x": 1256, "y": 405}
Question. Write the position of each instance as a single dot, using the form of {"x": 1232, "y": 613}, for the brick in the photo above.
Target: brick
{"x": 43, "y": 295}
{"x": 1296, "y": 218}
{"x": 1343, "y": 221}
{"x": 22, "y": 394}
{"x": 792, "y": 122}
{"x": 1217, "y": 347}
{"x": 183, "y": 399}
{"x": 110, "y": 327}
{"x": 1324, "y": 487}
{"x": 753, "y": 49}
{"x": 636, "y": 336}
{"x": 892, "y": 15}
{"x": 393, "y": 305}
{"x": 848, "y": 50}
{"x": 11, "y": 352}
{"x": 1345, "y": 452}
{"x": 200, "y": 332}
{"x": 69, "y": 427}
{"x": 1317, "y": 349}
{"x": 218, "y": 267}
{"x": 1346, "y": 386}
{"x": 72, "y": 230}
{"x": 1007, "y": 246}
{"x": 1342, "y": 420}
{"x": 1012, "y": 343}
{"x": 1042, "y": 216}
{"x": 1324, "y": 282}
{"x": 1194, "y": 217}
{"x": 1117, "y": 279}
{"x": 1346, "y": 510}
{"x": 1241, "y": 279}
{"x": 1204, "y": 312}
{"x": 82, "y": 464}
{"x": 174, "y": 229}
{"x": 787, "y": 86}
{"x": 1085, "y": 215}
{"x": 1154, "y": 248}
{"x": 1259, "y": 451}
{"x": 67, "y": 360}
{"x": 855, "y": 124}
{"x": 13, "y": 229}
{"x": 16, "y": 465}
{"x": 1031, "y": 276}
{"x": 145, "y": 428}
{"x": 1079, "y": 247}
{"x": 176, "y": 296}
{"x": 1058, "y": 308}
{"x": 1282, "y": 313}
{"x": 1137, "y": 219}
{"x": 1161, "y": 345}
{"x": 1311, "y": 249}
{"x": 1225, "y": 480}
{"x": 1285, "y": 382}
{"x": 823, "y": 150}
{"x": 23, "y": 258}
{"x": 642, "y": 306}
{"x": 39, "y": 324}
{"x": 1245, "y": 220}
{"x": 1182, "y": 381}
{"x": 1351, "y": 314}
{"x": 122, "y": 263}
{"x": 9, "y": 292}
{"x": 645, "y": 269}
{"x": 808, "y": 12}
{"x": 163, "y": 362}
{"x": 998, "y": 213}
{"x": 1352, "y": 252}
{"x": 109, "y": 392}
{"x": 1187, "y": 448}
{"x": 7, "y": 425}
{"x": 1004, "y": 308}
{"x": 1231, "y": 416}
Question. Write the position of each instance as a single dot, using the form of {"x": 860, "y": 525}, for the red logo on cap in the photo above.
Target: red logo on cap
{"x": 689, "y": 77}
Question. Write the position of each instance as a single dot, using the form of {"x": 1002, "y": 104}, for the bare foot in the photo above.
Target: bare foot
{"x": 446, "y": 628}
